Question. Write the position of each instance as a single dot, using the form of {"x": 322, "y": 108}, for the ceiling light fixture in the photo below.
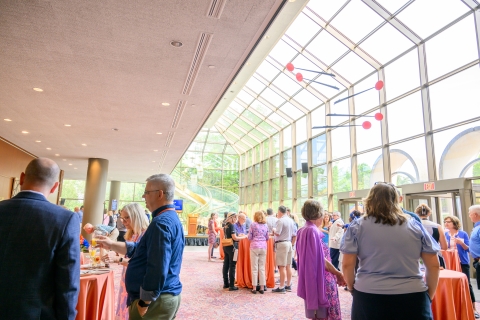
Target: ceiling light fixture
{"x": 56, "y": 154}
{"x": 176, "y": 44}
{"x": 8, "y": 120}
{"x": 38, "y": 89}
{"x": 83, "y": 144}
{"x": 153, "y": 161}
{"x": 38, "y": 141}
{"x": 25, "y": 132}
{"x": 75, "y": 168}
{"x": 155, "y": 150}
{"x": 211, "y": 67}
{"x": 49, "y": 148}
{"x": 67, "y": 125}
{"x": 69, "y": 164}
{"x": 166, "y": 104}
{"x": 159, "y": 133}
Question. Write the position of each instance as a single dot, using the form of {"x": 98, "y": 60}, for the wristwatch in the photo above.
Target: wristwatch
{"x": 142, "y": 304}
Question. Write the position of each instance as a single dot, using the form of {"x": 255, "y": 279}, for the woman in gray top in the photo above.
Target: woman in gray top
{"x": 389, "y": 244}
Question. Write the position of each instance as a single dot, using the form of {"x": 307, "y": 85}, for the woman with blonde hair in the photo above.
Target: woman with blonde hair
{"x": 258, "y": 236}
{"x": 325, "y": 226}
{"x": 134, "y": 219}
{"x": 384, "y": 284}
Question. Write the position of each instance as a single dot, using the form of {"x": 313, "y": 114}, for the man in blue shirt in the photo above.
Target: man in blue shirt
{"x": 240, "y": 225}
{"x": 152, "y": 278}
{"x": 474, "y": 214}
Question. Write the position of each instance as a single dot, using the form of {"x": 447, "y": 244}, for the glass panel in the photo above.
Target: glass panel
{"x": 275, "y": 189}
{"x": 287, "y": 160}
{"x": 368, "y": 138}
{"x": 283, "y": 53}
{"x": 392, "y": 5}
{"x": 454, "y": 99}
{"x": 319, "y": 149}
{"x": 276, "y": 166}
{"x": 302, "y": 185}
{"x": 260, "y": 108}
{"x": 287, "y": 188}
{"x": 325, "y": 8}
{"x": 307, "y": 100}
{"x": 257, "y": 153}
{"x": 287, "y": 137}
{"x": 291, "y": 111}
{"x": 250, "y": 157}
{"x": 367, "y": 100}
{"x": 266, "y": 149}
{"x": 255, "y": 85}
{"x": 242, "y": 124}
{"x": 302, "y": 155}
{"x": 230, "y": 115}
{"x": 224, "y": 122}
{"x": 356, "y": 20}
{"x": 352, "y": 67}
{"x": 386, "y": 43}
{"x": 340, "y": 142}
{"x": 407, "y": 110}
{"x": 302, "y": 29}
{"x": 318, "y": 120}
{"x": 256, "y": 193}
{"x": 402, "y": 75}
{"x": 201, "y": 136}
{"x": 267, "y": 71}
{"x": 252, "y": 117}
{"x": 341, "y": 175}
{"x": 212, "y": 161}
{"x": 230, "y": 162}
{"x": 266, "y": 127}
{"x": 439, "y": 15}
{"x": 325, "y": 40}
{"x": 287, "y": 85}
{"x": 275, "y": 144}
{"x": 287, "y": 203}
{"x": 229, "y": 150}
{"x": 245, "y": 97}
{"x": 265, "y": 191}
{"x": 257, "y": 173}
{"x": 455, "y": 149}
{"x": 458, "y": 41}
{"x": 278, "y": 120}
{"x": 257, "y": 134}
{"x": 266, "y": 171}
{"x": 409, "y": 159}
{"x": 319, "y": 181}
{"x": 236, "y": 106}
{"x": 273, "y": 98}
{"x": 369, "y": 169}
{"x": 249, "y": 177}
{"x": 235, "y": 130}
{"x": 215, "y": 148}
{"x": 301, "y": 130}
{"x": 250, "y": 140}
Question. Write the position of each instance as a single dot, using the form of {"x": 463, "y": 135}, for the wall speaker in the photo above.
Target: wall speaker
{"x": 304, "y": 167}
{"x": 289, "y": 172}
{"x": 62, "y": 201}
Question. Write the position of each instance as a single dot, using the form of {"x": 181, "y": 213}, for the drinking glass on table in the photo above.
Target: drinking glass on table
{"x": 93, "y": 256}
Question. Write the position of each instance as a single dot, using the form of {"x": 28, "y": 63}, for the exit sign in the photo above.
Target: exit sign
{"x": 429, "y": 186}
{"x": 351, "y": 194}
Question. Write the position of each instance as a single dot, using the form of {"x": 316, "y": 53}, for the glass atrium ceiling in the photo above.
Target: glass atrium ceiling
{"x": 350, "y": 39}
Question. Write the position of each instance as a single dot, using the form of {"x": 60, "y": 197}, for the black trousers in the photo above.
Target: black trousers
{"x": 466, "y": 271}
{"x": 229, "y": 267}
{"x": 476, "y": 265}
{"x": 121, "y": 235}
{"x": 411, "y": 306}
{"x": 335, "y": 255}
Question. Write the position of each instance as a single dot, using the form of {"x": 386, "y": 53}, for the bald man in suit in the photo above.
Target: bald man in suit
{"x": 39, "y": 250}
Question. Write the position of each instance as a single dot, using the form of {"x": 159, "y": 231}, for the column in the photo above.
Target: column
{"x": 114, "y": 195}
{"x": 95, "y": 186}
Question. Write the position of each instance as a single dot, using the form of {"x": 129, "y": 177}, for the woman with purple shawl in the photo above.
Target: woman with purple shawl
{"x": 317, "y": 277}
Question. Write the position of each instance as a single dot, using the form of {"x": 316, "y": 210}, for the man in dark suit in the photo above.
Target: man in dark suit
{"x": 39, "y": 250}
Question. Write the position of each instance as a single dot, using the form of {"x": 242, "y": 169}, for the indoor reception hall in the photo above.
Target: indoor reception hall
{"x": 214, "y": 159}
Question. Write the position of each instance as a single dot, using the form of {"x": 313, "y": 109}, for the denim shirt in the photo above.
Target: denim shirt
{"x": 156, "y": 260}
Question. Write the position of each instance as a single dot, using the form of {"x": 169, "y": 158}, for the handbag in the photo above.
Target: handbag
{"x": 226, "y": 242}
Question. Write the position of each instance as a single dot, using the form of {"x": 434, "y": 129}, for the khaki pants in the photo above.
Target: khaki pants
{"x": 257, "y": 262}
{"x": 113, "y": 235}
{"x": 164, "y": 308}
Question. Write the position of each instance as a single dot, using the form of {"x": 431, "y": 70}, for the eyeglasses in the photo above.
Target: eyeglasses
{"x": 447, "y": 221}
{"x": 126, "y": 218}
{"x": 147, "y": 192}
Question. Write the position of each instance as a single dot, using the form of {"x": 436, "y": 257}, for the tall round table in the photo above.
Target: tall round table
{"x": 244, "y": 270}
{"x": 96, "y": 299}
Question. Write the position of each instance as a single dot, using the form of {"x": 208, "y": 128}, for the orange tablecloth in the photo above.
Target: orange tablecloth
{"x": 244, "y": 270}
{"x": 220, "y": 247}
{"x": 452, "y": 298}
{"x": 452, "y": 260}
{"x": 96, "y": 300}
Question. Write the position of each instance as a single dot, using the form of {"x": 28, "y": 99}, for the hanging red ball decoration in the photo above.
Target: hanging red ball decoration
{"x": 290, "y": 66}
{"x": 299, "y": 76}
{"x": 378, "y": 116}
{"x": 379, "y": 85}
{"x": 366, "y": 125}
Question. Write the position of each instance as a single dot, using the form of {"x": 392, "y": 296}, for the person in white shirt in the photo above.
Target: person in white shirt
{"x": 335, "y": 235}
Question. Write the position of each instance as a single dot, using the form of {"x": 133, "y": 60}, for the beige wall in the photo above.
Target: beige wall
{"x": 13, "y": 162}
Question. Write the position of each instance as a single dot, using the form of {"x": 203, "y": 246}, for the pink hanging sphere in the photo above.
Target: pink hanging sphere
{"x": 290, "y": 66}
{"x": 299, "y": 76}
{"x": 379, "y": 85}
{"x": 366, "y": 125}
{"x": 378, "y": 116}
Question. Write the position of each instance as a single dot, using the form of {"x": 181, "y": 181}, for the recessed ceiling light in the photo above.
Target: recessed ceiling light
{"x": 211, "y": 67}
{"x": 38, "y": 89}
{"x": 83, "y": 144}
{"x": 166, "y": 104}
{"x": 8, "y": 120}
{"x": 49, "y": 148}
{"x": 38, "y": 141}
{"x": 176, "y": 43}
{"x": 291, "y": 0}
{"x": 155, "y": 150}
{"x": 25, "y": 132}
{"x": 75, "y": 168}
{"x": 67, "y": 125}
{"x": 153, "y": 161}
{"x": 56, "y": 154}
{"x": 159, "y": 133}
{"x": 69, "y": 164}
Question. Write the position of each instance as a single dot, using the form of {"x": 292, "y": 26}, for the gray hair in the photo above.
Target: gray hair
{"x": 335, "y": 213}
{"x": 475, "y": 208}
{"x": 42, "y": 171}
{"x": 165, "y": 183}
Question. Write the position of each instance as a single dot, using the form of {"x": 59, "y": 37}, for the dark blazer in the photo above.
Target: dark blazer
{"x": 39, "y": 259}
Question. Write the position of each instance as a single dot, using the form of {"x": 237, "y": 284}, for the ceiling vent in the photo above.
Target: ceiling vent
{"x": 169, "y": 139}
{"x": 216, "y": 8}
{"x": 202, "y": 47}
{"x": 178, "y": 113}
